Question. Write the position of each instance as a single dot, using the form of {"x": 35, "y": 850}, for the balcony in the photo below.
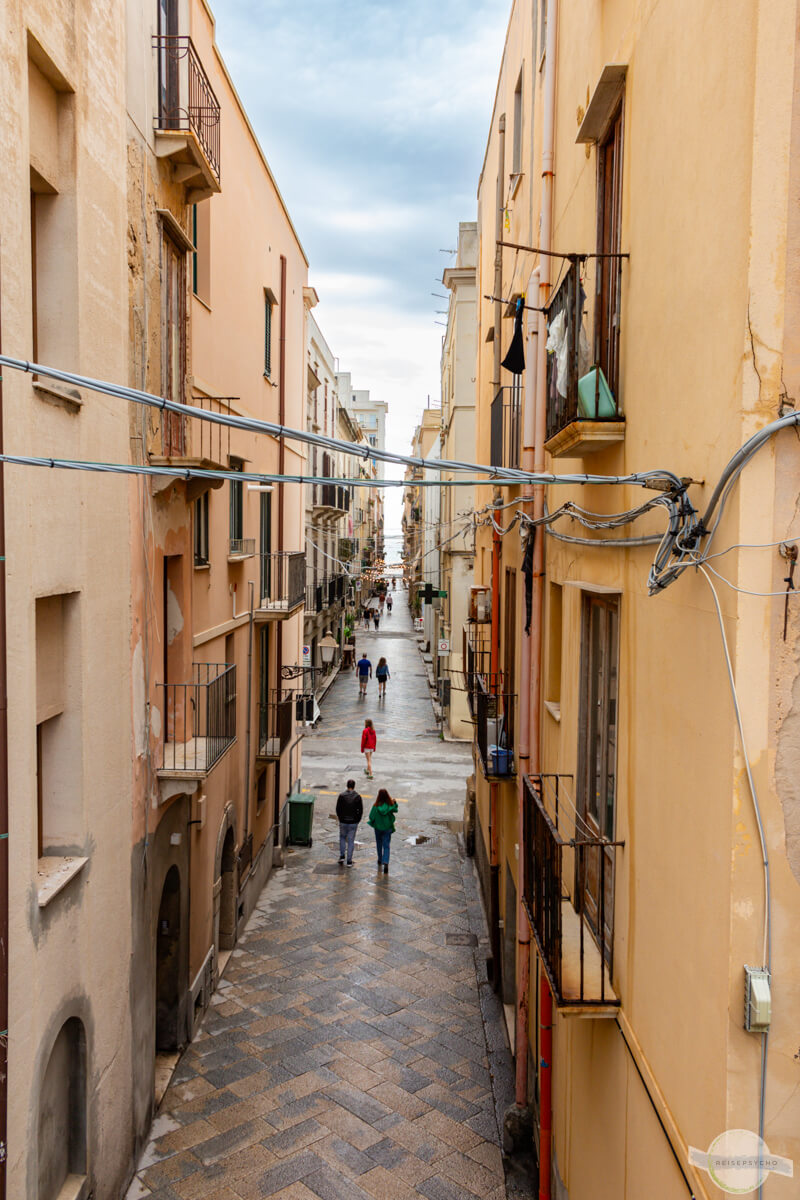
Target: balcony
{"x": 506, "y": 427}
{"x": 187, "y": 125}
{"x": 569, "y": 896}
{"x": 275, "y": 724}
{"x": 477, "y": 664}
{"x": 241, "y": 548}
{"x": 282, "y": 584}
{"x": 331, "y": 499}
{"x": 199, "y": 722}
{"x": 582, "y": 414}
{"x": 494, "y": 730}
{"x": 183, "y": 442}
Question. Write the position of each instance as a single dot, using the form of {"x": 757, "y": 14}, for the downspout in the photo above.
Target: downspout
{"x": 249, "y": 711}
{"x": 3, "y": 827}
{"x": 545, "y": 241}
{"x": 523, "y": 765}
{"x": 281, "y": 488}
{"x": 494, "y": 663}
{"x": 494, "y": 786}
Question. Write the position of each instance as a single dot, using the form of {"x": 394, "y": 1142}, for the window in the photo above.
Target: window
{"x": 516, "y": 161}
{"x": 58, "y": 767}
{"x": 542, "y": 31}
{"x": 265, "y": 542}
{"x": 201, "y": 259}
{"x": 554, "y": 635}
{"x": 597, "y": 751}
{"x": 173, "y": 344}
{"x": 236, "y": 503}
{"x": 201, "y": 531}
{"x": 268, "y": 335}
{"x": 54, "y": 275}
{"x": 609, "y": 224}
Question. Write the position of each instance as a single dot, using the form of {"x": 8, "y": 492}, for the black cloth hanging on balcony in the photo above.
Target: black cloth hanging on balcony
{"x": 514, "y": 360}
{"x": 527, "y": 571}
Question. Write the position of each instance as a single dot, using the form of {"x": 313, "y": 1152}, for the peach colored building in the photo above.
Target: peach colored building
{"x": 217, "y": 276}
{"x": 63, "y": 302}
{"x": 618, "y": 839}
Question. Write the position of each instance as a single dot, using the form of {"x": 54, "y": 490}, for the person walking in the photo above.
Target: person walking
{"x": 349, "y": 810}
{"x": 382, "y": 674}
{"x": 366, "y": 617}
{"x": 364, "y": 673}
{"x": 389, "y": 604}
{"x": 369, "y": 741}
{"x": 381, "y": 818}
{"x": 376, "y": 616}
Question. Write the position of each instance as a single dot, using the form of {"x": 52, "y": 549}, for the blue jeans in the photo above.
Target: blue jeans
{"x": 347, "y": 838}
{"x": 382, "y": 841}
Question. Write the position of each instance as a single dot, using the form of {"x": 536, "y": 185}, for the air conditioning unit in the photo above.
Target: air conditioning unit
{"x": 480, "y": 604}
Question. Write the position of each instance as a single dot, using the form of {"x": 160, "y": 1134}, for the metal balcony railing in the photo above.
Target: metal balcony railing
{"x": 494, "y": 730}
{"x": 184, "y": 437}
{"x": 477, "y": 664}
{"x": 283, "y": 575}
{"x": 506, "y": 427}
{"x": 275, "y": 723}
{"x": 199, "y": 718}
{"x": 569, "y": 894}
{"x": 186, "y": 97}
{"x": 564, "y": 403}
{"x": 241, "y": 547}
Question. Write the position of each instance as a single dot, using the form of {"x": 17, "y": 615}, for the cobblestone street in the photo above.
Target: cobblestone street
{"x": 345, "y": 1055}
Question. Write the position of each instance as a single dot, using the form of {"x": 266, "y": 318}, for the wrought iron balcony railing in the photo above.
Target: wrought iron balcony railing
{"x": 275, "y": 723}
{"x": 199, "y": 718}
{"x": 506, "y": 427}
{"x": 569, "y": 365}
{"x": 494, "y": 730}
{"x": 569, "y": 895}
{"x": 186, "y": 97}
{"x": 181, "y": 438}
{"x": 242, "y": 547}
{"x": 282, "y": 580}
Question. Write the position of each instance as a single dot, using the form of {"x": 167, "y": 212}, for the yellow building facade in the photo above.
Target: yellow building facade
{"x": 616, "y": 819}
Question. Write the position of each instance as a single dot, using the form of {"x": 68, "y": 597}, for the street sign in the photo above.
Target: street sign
{"x": 444, "y": 645}
{"x": 306, "y": 653}
{"x": 419, "y": 623}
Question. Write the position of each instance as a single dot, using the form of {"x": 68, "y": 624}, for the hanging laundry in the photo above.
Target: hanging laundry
{"x": 514, "y": 360}
{"x": 527, "y": 571}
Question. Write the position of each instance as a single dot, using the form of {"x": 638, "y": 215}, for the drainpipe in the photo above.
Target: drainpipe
{"x": 523, "y": 763}
{"x": 249, "y": 711}
{"x": 548, "y": 162}
{"x": 494, "y": 665}
{"x": 494, "y": 787}
{"x": 3, "y": 827}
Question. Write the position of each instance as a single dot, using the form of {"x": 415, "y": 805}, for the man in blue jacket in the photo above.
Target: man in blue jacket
{"x": 364, "y": 673}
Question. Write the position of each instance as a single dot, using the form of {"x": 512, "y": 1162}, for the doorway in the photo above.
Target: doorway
{"x": 227, "y": 900}
{"x": 168, "y": 931}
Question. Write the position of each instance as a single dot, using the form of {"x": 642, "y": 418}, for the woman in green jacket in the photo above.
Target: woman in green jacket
{"x": 381, "y": 818}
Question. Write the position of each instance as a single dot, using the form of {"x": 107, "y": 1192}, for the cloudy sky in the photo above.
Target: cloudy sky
{"x": 373, "y": 115}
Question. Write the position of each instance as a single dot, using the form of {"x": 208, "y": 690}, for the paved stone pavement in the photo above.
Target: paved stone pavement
{"x": 345, "y": 1056}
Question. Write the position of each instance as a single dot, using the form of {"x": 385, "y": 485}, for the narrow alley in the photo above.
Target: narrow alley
{"x": 345, "y": 1053}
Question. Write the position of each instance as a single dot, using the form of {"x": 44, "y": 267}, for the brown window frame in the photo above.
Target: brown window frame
{"x": 599, "y": 687}
{"x": 609, "y": 242}
{"x": 174, "y": 427}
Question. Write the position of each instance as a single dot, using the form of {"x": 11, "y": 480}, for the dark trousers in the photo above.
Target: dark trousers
{"x": 383, "y": 839}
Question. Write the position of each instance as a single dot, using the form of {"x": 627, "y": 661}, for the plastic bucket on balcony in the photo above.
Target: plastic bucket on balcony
{"x": 595, "y": 398}
{"x": 500, "y": 759}
{"x": 301, "y": 818}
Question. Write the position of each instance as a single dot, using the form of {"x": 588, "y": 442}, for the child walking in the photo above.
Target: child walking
{"x": 369, "y": 741}
{"x": 381, "y": 818}
{"x": 382, "y": 674}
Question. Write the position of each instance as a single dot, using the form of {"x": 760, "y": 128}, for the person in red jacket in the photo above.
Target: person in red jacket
{"x": 368, "y": 743}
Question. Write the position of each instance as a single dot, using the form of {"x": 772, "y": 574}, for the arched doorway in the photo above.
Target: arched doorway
{"x": 227, "y": 898}
{"x": 62, "y": 1111}
{"x": 168, "y": 930}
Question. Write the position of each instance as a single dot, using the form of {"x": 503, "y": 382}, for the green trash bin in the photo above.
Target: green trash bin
{"x": 301, "y": 818}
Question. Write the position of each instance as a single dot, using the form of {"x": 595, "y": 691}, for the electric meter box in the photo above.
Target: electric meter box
{"x": 757, "y": 1000}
